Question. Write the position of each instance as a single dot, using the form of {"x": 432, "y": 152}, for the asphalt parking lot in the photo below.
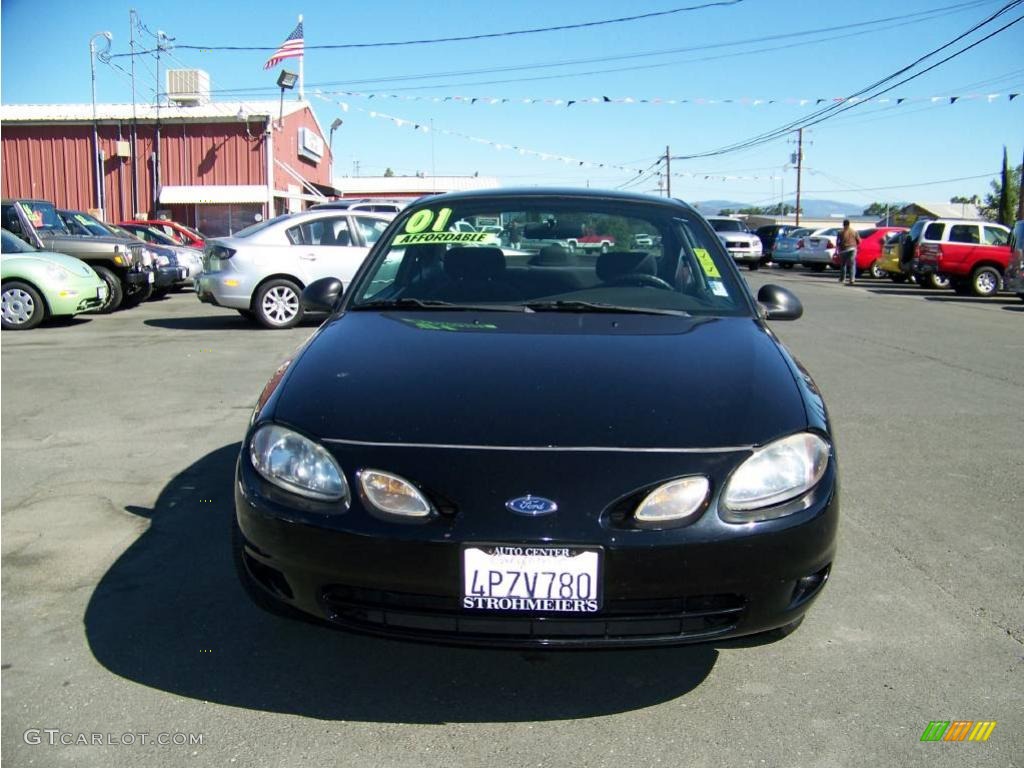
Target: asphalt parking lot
{"x": 122, "y": 615}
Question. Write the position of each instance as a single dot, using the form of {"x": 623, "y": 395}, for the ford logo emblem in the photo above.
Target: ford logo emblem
{"x": 531, "y": 505}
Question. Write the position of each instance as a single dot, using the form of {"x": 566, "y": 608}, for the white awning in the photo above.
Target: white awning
{"x": 211, "y": 194}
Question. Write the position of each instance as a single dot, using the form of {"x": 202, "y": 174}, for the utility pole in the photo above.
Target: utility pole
{"x": 668, "y": 173}
{"x": 799, "y": 170}
{"x": 135, "y": 122}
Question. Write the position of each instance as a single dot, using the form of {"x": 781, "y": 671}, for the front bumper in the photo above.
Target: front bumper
{"x": 166, "y": 277}
{"x": 707, "y": 581}
{"x": 141, "y": 277}
{"x": 744, "y": 256}
{"x": 83, "y": 296}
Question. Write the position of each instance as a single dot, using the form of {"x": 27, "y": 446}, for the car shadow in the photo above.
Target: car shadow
{"x": 170, "y": 614}
{"x": 983, "y": 300}
{"x": 226, "y": 322}
{"x": 63, "y": 321}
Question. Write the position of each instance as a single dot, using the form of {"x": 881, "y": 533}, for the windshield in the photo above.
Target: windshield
{"x": 151, "y": 235}
{"x": 84, "y": 224}
{"x": 13, "y": 244}
{"x": 727, "y": 225}
{"x": 43, "y": 216}
{"x": 552, "y": 254}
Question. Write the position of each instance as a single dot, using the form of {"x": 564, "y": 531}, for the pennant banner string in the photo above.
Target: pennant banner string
{"x": 664, "y": 101}
{"x": 401, "y": 122}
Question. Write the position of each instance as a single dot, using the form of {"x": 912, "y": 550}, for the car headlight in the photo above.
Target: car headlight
{"x": 778, "y": 472}
{"x": 57, "y": 273}
{"x": 674, "y": 501}
{"x": 297, "y": 464}
{"x": 161, "y": 261}
{"x": 392, "y": 494}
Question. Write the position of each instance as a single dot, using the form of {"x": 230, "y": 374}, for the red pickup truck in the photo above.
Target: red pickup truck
{"x": 588, "y": 243}
{"x": 972, "y": 254}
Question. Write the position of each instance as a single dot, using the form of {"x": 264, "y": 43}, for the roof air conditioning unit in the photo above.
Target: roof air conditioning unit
{"x": 188, "y": 87}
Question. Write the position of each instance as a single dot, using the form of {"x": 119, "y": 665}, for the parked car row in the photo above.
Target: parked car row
{"x": 133, "y": 262}
{"x": 969, "y": 256}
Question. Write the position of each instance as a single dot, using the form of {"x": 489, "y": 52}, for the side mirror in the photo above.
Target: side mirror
{"x": 779, "y": 303}
{"x": 321, "y": 295}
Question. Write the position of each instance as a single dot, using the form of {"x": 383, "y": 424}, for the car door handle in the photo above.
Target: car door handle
{"x": 308, "y": 256}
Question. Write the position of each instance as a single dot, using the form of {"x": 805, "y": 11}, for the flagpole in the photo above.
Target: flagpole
{"x": 302, "y": 61}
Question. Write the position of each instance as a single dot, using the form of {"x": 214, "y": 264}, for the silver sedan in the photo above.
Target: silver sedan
{"x": 260, "y": 271}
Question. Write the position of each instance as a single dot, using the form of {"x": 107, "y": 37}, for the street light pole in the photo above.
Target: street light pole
{"x": 97, "y": 165}
{"x": 330, "y": 144}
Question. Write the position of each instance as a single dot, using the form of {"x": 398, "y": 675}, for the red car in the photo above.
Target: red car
{"x": 870, "y": 250}
{"x": 181, "y": 233}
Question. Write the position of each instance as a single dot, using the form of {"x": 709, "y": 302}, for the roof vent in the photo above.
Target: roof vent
{"x": 188, "y": 87}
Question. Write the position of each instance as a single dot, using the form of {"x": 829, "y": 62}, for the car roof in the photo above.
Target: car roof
{"x": 578, "y": 193}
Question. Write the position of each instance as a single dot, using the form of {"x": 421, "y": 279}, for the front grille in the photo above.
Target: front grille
{"x": 663, "y": 620}
{"x": 136, "y": 252}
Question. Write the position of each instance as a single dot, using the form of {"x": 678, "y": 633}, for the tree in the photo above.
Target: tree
{"x": 995, "y": 207}
{"x": 388, "y": 172}
{"x": 883, "y": 209}
{"x": 1006, "y": 206}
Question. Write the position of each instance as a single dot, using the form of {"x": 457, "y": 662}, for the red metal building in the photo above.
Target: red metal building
{"x": 217, "y": 166}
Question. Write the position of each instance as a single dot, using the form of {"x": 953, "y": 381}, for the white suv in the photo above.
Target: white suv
{"x": 742, "y": 244}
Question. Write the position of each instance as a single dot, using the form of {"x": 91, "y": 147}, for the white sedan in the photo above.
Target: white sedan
{"x": 260, "y": 271}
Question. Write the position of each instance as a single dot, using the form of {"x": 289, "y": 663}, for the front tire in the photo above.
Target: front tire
{"x": 985, "y": 281}
{"x": 115, "y": 292}
{"x": 21, "y": 307}
{"x": 876, "y": 271}
{"x": 278, "y": 304}
{"x": 137, "y": 295}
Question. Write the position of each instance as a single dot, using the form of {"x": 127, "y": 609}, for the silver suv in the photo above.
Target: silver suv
{"x": 742, "y": 244}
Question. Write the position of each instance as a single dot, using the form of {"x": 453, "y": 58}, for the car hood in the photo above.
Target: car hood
{"x": 545, "y": 379}
{"x": 76, "y": 266}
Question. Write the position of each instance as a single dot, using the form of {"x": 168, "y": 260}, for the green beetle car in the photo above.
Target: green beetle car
{"x": 35, "y": 285}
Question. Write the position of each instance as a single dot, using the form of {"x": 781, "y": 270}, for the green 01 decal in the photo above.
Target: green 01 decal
{"x": 420, "y": 220}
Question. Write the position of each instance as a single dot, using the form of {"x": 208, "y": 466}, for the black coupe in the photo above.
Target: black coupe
{"x": 523, "y": 443}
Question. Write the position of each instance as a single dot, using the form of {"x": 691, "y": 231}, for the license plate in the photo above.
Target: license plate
{"x": 101, "y": 292}
{"x": 150, "y": 277}
{"x": 530, "y": 578}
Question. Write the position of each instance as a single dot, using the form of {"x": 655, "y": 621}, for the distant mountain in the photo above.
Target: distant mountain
{"x": 812, "y": 209}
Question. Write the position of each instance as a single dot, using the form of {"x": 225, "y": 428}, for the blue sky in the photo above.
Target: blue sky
{"x": 876, "y": 151}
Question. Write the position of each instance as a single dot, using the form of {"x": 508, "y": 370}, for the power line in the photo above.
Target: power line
{"x": 933, "y": 13}
{"x": 845, "y": 104}
{"x": 490, "y": 35}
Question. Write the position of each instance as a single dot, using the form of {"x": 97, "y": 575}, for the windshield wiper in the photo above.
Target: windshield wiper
{"x": 437, "y": 304}
{"x": 593, "y": 306}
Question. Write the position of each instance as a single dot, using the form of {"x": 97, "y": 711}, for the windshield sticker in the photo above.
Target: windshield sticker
{"x": 718, "y": 288}
{"x": 428, "y": 238}
{"x": 82, "y": 220}
{"x": 420, "y": 220}
{"x": 706, "y": 263}
{"x": 434, "y": 325}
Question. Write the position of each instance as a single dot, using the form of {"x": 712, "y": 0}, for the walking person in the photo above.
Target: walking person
{"x": 847, "y": 248}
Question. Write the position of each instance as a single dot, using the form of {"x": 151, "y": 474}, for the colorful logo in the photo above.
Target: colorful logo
{"x": 958, "y": 730}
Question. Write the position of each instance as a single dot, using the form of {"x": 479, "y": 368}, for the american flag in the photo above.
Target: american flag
{"x": 291, "y": 48}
